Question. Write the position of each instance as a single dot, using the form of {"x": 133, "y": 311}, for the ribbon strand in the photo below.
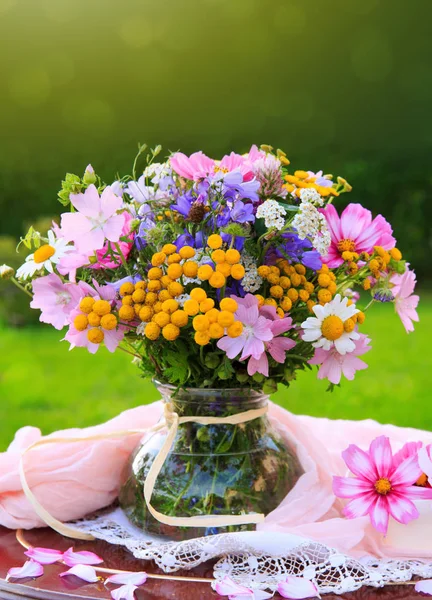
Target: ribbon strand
{"x": 172, "y": 421}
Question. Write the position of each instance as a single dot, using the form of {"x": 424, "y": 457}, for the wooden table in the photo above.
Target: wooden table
{"x": 52, "y": 587}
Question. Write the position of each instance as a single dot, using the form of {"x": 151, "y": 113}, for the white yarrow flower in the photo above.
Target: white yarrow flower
{"x": 272, "y": 213}
{"x": 251, "y": 281}
{"x": 327, "y": 329}
{"x": 310, "y": 223}
{"x": 312, "y": 196}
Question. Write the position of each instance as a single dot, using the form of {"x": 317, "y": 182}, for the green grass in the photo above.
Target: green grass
{"x": 44, "y": 385}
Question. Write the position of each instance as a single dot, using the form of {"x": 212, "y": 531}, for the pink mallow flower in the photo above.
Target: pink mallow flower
{"x": 334, "y": 365}
{"x": 355, "y": 231}
{"x": 97, "y": 220}
{"x": 379, "y": 488}
{"x": 256, "y": 330}
{"x": 405, "y": 301}
{"x": 277, "y": 347}
{"x": 55, "y": 299}
{"x": 110, "y": 337}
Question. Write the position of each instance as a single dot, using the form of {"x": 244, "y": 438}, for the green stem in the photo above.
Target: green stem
{"x": 122, "y": 256}
{"x": 21, "y": 287}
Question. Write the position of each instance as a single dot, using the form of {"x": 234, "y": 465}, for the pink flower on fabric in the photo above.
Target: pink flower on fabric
{"x": 97, "y": 219}
{"x": 44, "y": 556}
{"x": 355, "y": 230}
{"x": 425, "y": 462}
{"x": 112, "y": 337}
{"x": 234, "y": 591}
{"x": 84, "y": 572}
{"x": 72, "y": 558}
{"x": 196, "y": 166}
{"x": 424, "y": 455}
{"x": 256, "y": 331}
{"x": 405, "y": 301}
{"x": 55, "y": 299}
{"x": 334, "y": 365}
{"x": 424, "y": 587}
{"x": 379, "y": 488}
{"x": 277, "y": 347}
{"x": 29, "y": 569}
{"x": 297, "y": 588}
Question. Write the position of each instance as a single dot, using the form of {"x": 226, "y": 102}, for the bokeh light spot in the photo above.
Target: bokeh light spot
{"x": 371, "y": 57}
{"x": 6, "y": 5}
{"x": 139, "y": 32}
{"x": 30, "y": 86}
{"x": 89, "y": 114}
{"x": 290, "y": 18}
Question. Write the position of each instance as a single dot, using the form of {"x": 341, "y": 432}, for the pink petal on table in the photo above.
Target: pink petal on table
{"x": 134, "y": 578}
{"x": 424, "y": 587}
{"x": 44, "y": 556}
{"x": 72, "y": 558}
{"x": 126, "y": 592}
{"x": 297, "y": 588}
{"x": 29, "y": 569}
{"x": 227, "y": 587}
{"x": 84, "y": 572}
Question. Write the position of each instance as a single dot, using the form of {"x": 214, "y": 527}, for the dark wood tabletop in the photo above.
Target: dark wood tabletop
{"x": 52, "y": 587}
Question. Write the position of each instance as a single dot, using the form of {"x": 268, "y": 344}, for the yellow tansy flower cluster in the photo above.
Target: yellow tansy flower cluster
{"x": 96, "y": 317}
{"x": 302, "y": 179}
{"x": 209, "y": 322}
{"x": 287, "y": 285}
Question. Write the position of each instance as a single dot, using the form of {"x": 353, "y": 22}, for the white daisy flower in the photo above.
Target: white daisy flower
{"x": 328, "y": 328}
{"x": 44, "y": 257}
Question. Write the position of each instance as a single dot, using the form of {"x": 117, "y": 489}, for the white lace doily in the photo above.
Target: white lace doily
{"x": 257, "y": 560}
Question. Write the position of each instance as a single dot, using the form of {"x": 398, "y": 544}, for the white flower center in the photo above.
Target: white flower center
{"x": 63, "y": 298}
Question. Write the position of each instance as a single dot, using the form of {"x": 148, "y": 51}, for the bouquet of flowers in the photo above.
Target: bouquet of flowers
{"x": 221, "y": 278}
{"x": 215, "y": 273}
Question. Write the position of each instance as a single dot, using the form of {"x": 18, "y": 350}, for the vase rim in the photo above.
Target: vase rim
{"x": 159, "y": 384}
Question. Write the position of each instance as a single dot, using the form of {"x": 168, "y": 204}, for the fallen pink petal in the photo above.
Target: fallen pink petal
{"x": 72, "y": 558}
{"x": 44, "y": 556}
{"x": 84, "y": 572}
{"x": 138, "y": 578}
{"x": 126, "y": 592}
{"x": 29, "y": 569}
{"x": 297, "y": 588}
{"x": 424, "y": 587}
{"x": 227, "y": 587}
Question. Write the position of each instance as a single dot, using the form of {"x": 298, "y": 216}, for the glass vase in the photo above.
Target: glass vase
{"x": 216, "y": 469}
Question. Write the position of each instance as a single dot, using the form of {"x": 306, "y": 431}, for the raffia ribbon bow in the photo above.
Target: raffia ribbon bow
{"x": 172, "y": 421}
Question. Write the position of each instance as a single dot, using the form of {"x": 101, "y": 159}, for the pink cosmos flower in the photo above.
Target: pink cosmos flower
{"x": 277, "y": 347}
{"x": 379, "y": 488}
{"x": 196, "y": 166}
{"x": 405, "y": 301}
{"x": 97, "y": 219}
{"x": 424, "y": 455}
{"x": 55, "y": 299}
{"x": 256, "y": 331}
{"x": 355, "y": 231}
{"x": 112, "y": 337}
{"x": 334, "y": 365}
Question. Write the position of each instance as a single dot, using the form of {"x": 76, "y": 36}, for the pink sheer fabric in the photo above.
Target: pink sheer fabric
{"x": 73, "y": 480}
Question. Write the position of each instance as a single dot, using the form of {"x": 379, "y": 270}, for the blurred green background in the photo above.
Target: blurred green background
{"x": 345, "y": 86}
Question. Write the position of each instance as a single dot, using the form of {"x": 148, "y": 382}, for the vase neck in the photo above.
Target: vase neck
{"x": 212, "y": 402}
